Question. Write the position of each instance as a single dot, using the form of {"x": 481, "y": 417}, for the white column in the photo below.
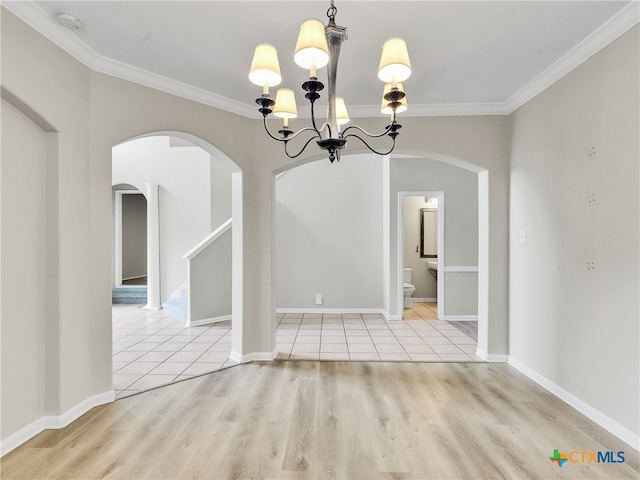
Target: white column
{"x": 153, "y": 248}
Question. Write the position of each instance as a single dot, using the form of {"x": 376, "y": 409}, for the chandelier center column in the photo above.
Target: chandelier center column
{"x": 335, "y": 36}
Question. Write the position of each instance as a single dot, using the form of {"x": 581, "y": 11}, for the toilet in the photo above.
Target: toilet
{"x": 408, "y": 287}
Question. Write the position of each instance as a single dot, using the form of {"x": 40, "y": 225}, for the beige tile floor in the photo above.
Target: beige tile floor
{"x": 151, "y": 349}
{"x": 419, "y": 337}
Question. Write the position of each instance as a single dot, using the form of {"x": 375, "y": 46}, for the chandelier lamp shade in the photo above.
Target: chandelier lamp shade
{"x": 319, "y": 46}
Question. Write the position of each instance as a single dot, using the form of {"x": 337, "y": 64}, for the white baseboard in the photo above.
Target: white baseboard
{"x": 492, "y": 357}
{"x": 414, "y": 300}
{"x": 152, "y": 307}
{"x": 331, "y": 310}
{"x": 391, "y": 318}
{"x": 253, "y": 357}
{"x": 207, "y": 321}
{"x": 460, "y": 318}
{"x": 54, "y": 422}
{"x": 606, "y": 422}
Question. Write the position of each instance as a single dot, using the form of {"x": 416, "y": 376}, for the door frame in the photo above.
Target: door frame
{"x": 441, "y": 227}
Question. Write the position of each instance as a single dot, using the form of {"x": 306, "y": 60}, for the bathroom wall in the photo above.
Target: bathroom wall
{"x": 574, "y": 282}
{"x": 329, "y": 234}
{"x": 460, "y": 208}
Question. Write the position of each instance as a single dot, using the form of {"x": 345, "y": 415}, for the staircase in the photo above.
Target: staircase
{"x": 129, "y": 294}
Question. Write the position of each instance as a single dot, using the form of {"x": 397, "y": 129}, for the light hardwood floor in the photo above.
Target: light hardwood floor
{"x": 316, "y": 420}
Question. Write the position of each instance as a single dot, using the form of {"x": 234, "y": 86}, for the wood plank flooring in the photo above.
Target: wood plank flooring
{"x": 317, "y": 420}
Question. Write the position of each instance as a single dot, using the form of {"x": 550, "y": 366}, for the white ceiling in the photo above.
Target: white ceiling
{"x": 468, "y": 57}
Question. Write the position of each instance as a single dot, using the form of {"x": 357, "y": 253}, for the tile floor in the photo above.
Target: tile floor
{"x": 420, "y": 337}
{"x": 151, "y": 349}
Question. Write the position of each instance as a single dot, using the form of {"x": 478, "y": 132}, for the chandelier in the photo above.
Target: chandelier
{"x": 318, "y": 46}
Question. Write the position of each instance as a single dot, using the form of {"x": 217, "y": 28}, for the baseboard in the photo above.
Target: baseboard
{"x": 492, "y": 357}
{"x": 391, "y": 318}
{"x": 606, "y": 422}
{"x": 134, "y": 278}
{"x": 460, "y": 318}
{"x": 331, "y": 310}
{"x": 54, "y": 422}
{"x": 253, "y": 357}
{"x": 152, "y": 307}
{"x": 414, "y": 300}
{"x": 207, "y": 321}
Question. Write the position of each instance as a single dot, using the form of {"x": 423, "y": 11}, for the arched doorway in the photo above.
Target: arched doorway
{"x": 371, "y": 265}
{"x": 191, "y": 192}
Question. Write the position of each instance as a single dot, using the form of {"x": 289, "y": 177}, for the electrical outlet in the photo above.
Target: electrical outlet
{"x": 318, "y": 299}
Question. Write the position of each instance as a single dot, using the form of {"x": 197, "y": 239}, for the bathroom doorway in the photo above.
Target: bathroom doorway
{"x": 421, "y": 252}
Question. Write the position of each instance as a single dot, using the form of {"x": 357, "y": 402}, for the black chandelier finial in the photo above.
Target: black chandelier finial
{"x": 319, "y": 45}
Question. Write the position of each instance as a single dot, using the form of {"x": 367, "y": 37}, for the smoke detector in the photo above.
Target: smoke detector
{"x": 69, "y": 20}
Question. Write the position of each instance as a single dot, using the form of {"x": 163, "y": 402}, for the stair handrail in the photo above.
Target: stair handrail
{"x": 208, "y": 240}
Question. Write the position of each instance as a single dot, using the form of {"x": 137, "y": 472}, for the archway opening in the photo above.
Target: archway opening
{"x": 338, "y": 250}
{"x": 192, "y": 192}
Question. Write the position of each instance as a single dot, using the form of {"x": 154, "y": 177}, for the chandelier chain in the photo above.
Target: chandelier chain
{"x": 331, "y": 13}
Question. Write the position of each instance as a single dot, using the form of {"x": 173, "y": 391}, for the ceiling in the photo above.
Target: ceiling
{"x": 468, "y": 57}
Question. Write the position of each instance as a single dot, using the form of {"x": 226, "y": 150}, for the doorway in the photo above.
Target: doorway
{"x": 421, "y": 251}
{"x": 130, "y": 230}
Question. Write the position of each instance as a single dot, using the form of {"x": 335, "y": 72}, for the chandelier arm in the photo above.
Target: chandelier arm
{"x": 313, "y": 120}
{"x": 292, "y": 136}
{"x": 393, "y": 144}
{"x": 303, "y": 147}
{"x": 370, "y": 135}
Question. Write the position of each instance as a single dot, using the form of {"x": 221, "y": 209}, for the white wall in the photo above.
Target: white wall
{"x": 23, "y": 253}
{"x": 328, "y": 234}
{"x": 575, "y": 191}
{"x": 183, "y": 176}
{"x": 220, "y": 193}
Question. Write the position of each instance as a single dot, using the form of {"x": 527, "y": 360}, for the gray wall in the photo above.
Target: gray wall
{"x": 210, "y": 281}
{"x": 23, "y": 273}
{"x": 328, "y": 234}
{"x": 134, "y": 235}
{"x": 64, "y": 310}
{"x": 575, "y": 191}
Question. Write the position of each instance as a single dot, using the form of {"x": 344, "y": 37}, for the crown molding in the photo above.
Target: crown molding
{"x": 425, "y": 110}
{"x": 625, "y": 19}
{"x": 38, "y": 19}
{"x": 159, "y": 82}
